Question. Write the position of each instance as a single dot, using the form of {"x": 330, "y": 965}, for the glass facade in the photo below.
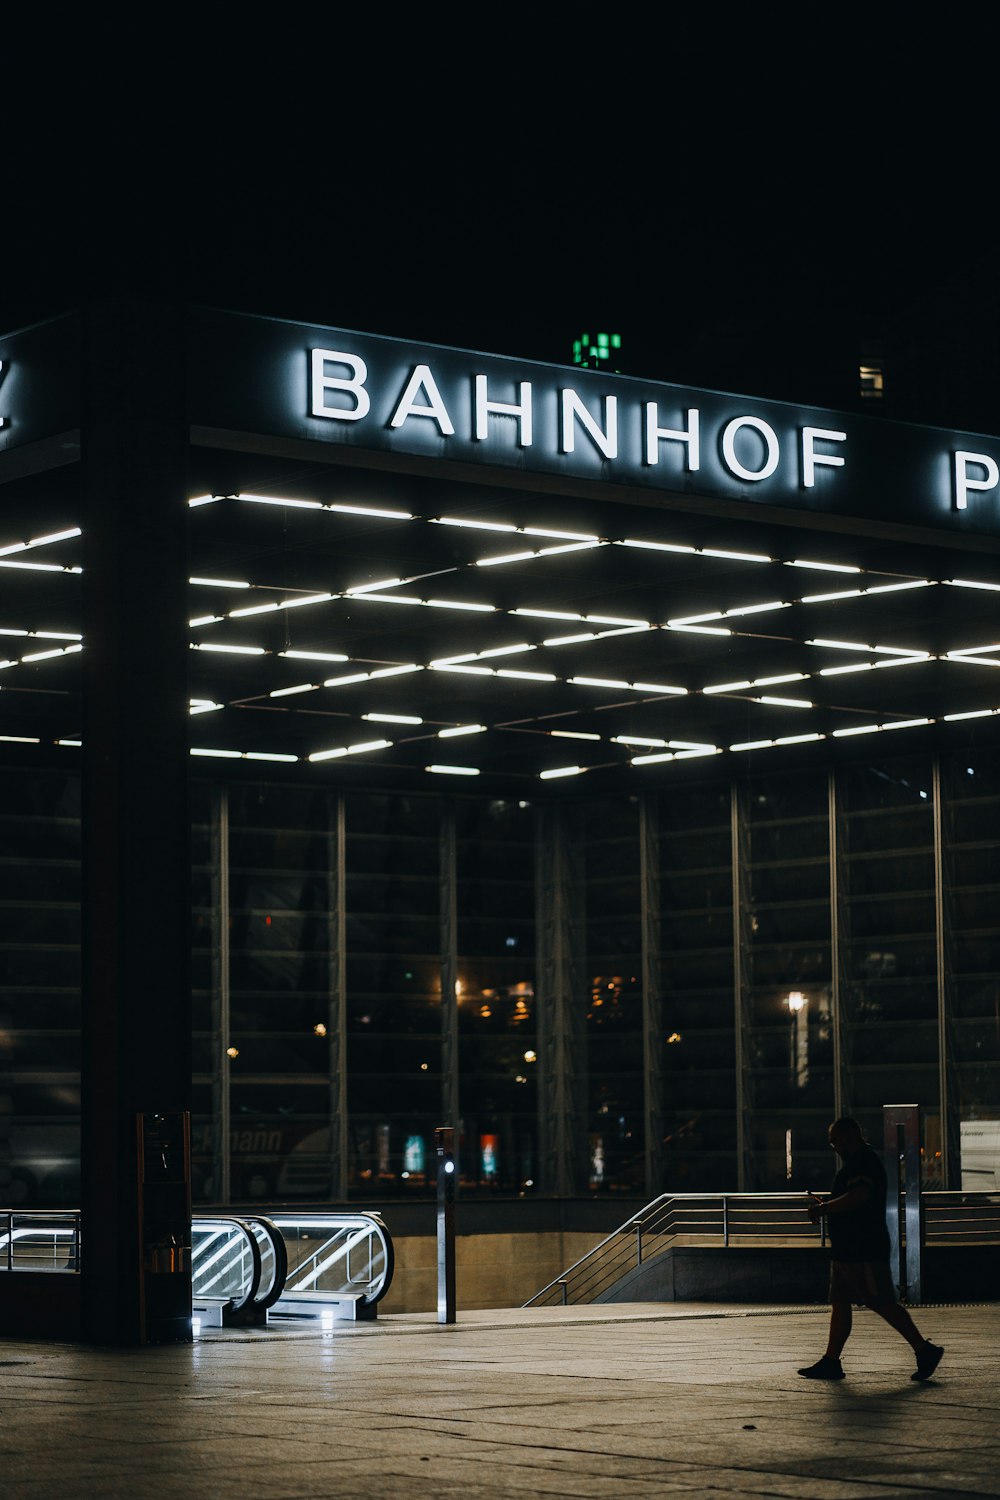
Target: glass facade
{"x": 366, "y": 967}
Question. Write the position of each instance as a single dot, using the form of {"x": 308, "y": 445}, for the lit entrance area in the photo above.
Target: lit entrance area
{"x": 637, "y": 834}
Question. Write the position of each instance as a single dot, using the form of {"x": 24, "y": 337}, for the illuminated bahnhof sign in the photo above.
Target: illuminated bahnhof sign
{"x": 384, "y": 395}
{"x": 415, "y": 562}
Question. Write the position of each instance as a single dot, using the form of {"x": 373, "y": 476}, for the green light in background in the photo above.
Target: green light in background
{"x": 593, "y": 351}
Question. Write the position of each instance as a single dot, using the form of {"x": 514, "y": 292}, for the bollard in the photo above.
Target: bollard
{"x": 444, "y": 1140}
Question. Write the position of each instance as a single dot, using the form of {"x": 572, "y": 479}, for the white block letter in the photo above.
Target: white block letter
{"x": 354, "y": 386}
{"x": 573, "y": 409}
{"x": 810, "y": 458}
{"x": 422, "y": 381}
{"x": 522, "y": 412}
{"x": 770, "y": 443}
{"x": 964, "y": 482}
{"x": 655, "y": 435}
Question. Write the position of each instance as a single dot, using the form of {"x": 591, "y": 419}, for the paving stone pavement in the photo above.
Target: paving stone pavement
{"x": 684, "y": 1400}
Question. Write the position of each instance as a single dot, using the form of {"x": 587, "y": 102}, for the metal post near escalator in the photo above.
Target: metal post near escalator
{"x": 444, "y": 1140}
{"x": 904, "y": 1209}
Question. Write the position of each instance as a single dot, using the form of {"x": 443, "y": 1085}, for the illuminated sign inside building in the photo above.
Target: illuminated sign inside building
{"x": 371, "y": 394}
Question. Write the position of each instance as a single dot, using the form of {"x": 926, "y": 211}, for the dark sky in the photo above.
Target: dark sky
{"x": 743, "y": 199}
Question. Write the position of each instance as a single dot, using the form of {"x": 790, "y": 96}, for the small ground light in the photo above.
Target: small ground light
{"x": 232, "y": 1051}
{"x": 319, "y": 1029}
{"x": 423, "y": 1067}
{"x": 530, "y": 1056}
{"x": 674, "y": 1036}
{"x": 796, "y": 1000}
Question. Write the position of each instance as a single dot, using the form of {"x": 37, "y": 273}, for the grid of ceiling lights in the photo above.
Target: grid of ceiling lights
{"x": 520, "y": 547}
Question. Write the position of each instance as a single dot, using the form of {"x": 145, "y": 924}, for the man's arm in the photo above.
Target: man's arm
{"x": 856, "y": 1197}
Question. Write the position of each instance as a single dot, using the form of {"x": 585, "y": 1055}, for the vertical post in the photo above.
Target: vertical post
{"x": 136, "y": 1045}
{"x": 652, "y": 1006}
{"x": 336, "y": 917}
{"x": 740, "y": 876}
{"x": 949, "y": 1128}
{"x": 837, "y": 954}
{"x": 444, "y": 1141}
{"x": 904, "y": 1207}
{"x": 561, "y": 1018}
{"x": 221, "y": 1100}
{"x": 447, "y": 868}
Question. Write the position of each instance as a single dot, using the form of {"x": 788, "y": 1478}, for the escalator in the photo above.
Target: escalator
{"x": 247, "y": 1270}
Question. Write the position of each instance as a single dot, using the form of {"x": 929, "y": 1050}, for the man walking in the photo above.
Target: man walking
{"x": 859, "y": 1243}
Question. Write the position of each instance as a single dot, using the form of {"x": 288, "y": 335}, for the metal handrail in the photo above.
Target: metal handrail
{"x": 341, "y": 1235}
{"x": 209, "y": 1270}
{"x": 706, "y": 1219}
{"x": 34, "y": 1224}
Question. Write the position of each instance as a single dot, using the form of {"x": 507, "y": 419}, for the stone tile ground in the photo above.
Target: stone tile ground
{"x": 686, "y": 1400}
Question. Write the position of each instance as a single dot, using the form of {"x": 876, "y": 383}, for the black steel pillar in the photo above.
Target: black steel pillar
{"x": 652, "y": 1007}
{"x": 561, "y": 1003}
{"x": 136, "y": 865}
{"x": 337, "y": 998}
{"x": 222, "y": 1188}
{"x": 444, "y": 1145}
{"x": 740, "y": 856}
{"x": 904, "y": 1207}
{"x": 448, "y": 875}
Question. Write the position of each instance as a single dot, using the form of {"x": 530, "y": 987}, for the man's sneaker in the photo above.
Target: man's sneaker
{"x": 927, "y": 1361}
{"x": 827, "y": 1369}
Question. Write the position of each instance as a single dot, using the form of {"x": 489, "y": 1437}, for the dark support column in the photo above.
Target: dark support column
{"x": 951, "y": 1155}
{"x": 561, "y": 1004}
{"x": 337, "y": 1008}
{"x": 904, "y": 1206}
{"x": 222, "y": 1190}
{"x": 448, "y": 875}
{"x": 652, "y": 1019}
{"x": 838, "y": 942}
{"x": 136, "y": 865}
{"x": 741, "y": 976}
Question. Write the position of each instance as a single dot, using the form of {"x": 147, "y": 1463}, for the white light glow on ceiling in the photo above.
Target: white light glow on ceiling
{"x": 289, "y": 692}
{"x": 363, "y": 748}
{"x": 378, "y": 513}
{"x": 382, "y": 583}
{"x": 823, "y": 567}
{"x": 221, "y": 583}
{"x": 699, "y": 629}
{"x": 230, "y": 650}
{"x": 560, "y": 771}
{"x": 392, "y": 718}
{"x": 460, "y": 729}
{"x": 453, "y": 770}
{"x": 573, "y": 734}
{"x": 486, "y": 609}
{"x": 527, "y": 676}
{"x": 315, "y": 655}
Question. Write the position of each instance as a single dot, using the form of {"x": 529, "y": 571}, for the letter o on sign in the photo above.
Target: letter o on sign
{"x": 770, "y": 447}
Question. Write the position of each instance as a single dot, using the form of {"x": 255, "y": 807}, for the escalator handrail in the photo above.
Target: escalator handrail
{"x": 280, "y": 1252}
{"x": 365, "y": 1221}
{"x": 237, "y": 1304}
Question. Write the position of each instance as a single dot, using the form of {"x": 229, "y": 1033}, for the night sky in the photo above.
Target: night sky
{"x": 744, "y": 200}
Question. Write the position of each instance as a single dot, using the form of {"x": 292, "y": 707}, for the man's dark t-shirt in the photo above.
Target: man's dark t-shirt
{"x": 861, "y": 1234}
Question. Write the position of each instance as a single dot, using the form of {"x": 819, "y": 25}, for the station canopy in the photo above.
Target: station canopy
{"x": 384, "y": 627}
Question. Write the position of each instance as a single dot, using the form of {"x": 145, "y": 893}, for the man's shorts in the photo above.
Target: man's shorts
{"x": 867, "y": 1281}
